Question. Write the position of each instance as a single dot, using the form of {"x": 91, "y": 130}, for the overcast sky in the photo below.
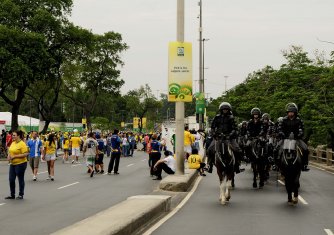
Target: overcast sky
{"x": 245, "y": 35}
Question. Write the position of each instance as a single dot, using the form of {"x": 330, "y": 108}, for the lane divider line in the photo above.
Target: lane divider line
{"x": 68, "y": 185}
{"x": 281, "y": 182}
{"x": 328, "y": 231}
{"x": 1, "y": 204}
{"x": 43, "y": 172}
{"x": 130, "y": 165}
{"x": 302, "y": 200}
{"x": 76, "y": 165}
{"x": 173, "y": 212}
{"x": 143, "y": 160}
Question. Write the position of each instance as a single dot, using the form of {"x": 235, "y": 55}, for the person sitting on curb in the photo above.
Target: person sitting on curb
{"x": 195, "y": 162}
{"x": 167, "y": 164}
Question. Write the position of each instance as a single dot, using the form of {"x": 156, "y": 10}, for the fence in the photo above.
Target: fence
{"x": 322, "y": 155}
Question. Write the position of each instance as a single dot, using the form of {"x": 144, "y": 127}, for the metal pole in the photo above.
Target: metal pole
{"x": 179, "y": 106}
{"x": 201, "y": 87}
{"x": 225, "y": 84}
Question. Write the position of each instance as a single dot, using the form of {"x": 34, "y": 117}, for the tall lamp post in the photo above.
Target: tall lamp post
{"x": 201, "y": 81}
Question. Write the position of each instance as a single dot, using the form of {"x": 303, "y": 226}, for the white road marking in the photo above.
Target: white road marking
{"x": 76, "y": 165}
{"x": 328, "y": 231}
{"x": 130, "y": 165}
{"x": 323, "y": 169}
{"x": 281, "y": 182}
{"x": 68, "y": 185}
{"x": 43, "y": 172}
{"x": 143, "y": 160}
{"x": 302, "y": 200}
{"x": 2, "y": 204}
{"x": 172, "y": 213}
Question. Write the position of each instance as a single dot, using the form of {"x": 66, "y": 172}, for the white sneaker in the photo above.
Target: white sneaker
{"x": 72, "y": 161}
{"x": 49, "y": 177}
{"x": 34, "y": 178}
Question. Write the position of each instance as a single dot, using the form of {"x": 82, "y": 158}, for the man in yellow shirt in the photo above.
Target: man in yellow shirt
{"x": 189, "y": 139}
{"x": 195, "y": 162}
{"x": 75, "y": 143}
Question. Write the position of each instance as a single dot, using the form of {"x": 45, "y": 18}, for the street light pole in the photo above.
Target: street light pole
{"x": 201, "y": 81}
{"x": 225, "y": 83}
{"x": 179, "y": 106}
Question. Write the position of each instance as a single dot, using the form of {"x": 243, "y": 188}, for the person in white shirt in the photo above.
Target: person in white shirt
{"x": 168, "y": 164}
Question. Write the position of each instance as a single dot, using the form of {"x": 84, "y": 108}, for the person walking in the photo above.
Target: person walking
{"x": 18, "y": 152}
{"x": 125, "y": 144}
{"x": 75, "y": 143}
{"x": 50, "y": 155}
{"x": 132, "y": 142}
{"x": 66, "y": 146}
{"x": 115, "y": 154}
{"x": 36, "y": 150}
{"x": 155, "y": 153}
{"x": 90, "y": 151}
{"x": 100, "y": 153}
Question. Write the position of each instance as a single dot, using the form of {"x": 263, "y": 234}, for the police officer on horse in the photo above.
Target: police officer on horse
{"x": 224, "y": 124}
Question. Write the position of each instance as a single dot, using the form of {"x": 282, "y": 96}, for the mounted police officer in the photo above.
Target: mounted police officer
{"x": 292, "y": 123}
{"x": 254, "y": 129}
{"x": 224, "y": 123}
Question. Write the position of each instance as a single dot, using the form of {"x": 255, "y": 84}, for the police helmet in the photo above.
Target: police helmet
{"x": 225, "y": 105}
{"x": 266, "y": 116}
{"x": 291, "y": 107}
{"x": 255, "y": 111}
{"x": 280, "y": 119}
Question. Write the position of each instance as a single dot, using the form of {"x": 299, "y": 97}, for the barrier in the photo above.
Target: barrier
{"x": 321, "y": 155}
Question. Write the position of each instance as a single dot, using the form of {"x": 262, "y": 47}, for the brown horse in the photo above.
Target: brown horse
{"x": 221, "y": 151}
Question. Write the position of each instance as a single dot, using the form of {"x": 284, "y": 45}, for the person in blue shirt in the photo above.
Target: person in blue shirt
{"x": 155, "y": 153}
{"x": 116, "y": 153}
{"x": 99, "y": 160}
{"x": 35, "y": 146}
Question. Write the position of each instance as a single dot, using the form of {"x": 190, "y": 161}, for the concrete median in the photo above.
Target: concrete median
{"x": 179, "y": 183}
{"x": 125, "y": 218}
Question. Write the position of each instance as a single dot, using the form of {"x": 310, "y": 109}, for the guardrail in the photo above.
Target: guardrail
{"x": 321, "y": 155}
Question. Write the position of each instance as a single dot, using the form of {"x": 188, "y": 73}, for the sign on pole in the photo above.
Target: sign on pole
{"x": 180, "y": 72}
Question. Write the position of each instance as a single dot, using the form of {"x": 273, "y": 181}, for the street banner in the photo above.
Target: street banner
{"x": 136, "y": 121}
{"x": 84, "y": 121}
{"x": 122, "y": 124}
{"x": 180, "y": 72}
{"x": 144, "y": 120}
{"x": 200, "y": 103}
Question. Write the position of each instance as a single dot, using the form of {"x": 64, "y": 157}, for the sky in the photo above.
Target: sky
{"x": 244, "y": 36}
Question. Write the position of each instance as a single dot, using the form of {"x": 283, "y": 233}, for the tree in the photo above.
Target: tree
{"x": 93, "y": 70}
{"x": 142, "y": 102}
{"x": 28, "y": 32}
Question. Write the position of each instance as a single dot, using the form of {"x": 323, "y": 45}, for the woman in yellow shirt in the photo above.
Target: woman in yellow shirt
{"x": 18, "y": 152}
{"x": 50, "y": 155}
{"x": 66, "y": 145}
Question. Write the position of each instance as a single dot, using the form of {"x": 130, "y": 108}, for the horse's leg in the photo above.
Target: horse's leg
{"x": 296, "y": 187}
{"x": 229, "y": 177}
{"x": 232, "y": 181}
{"x": 288, "y": 185}
{"x": 254, "y": 175}
{"x": 261, "y": 173}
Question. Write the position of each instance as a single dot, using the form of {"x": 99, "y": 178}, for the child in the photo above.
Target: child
{"x": 195, "y": 162}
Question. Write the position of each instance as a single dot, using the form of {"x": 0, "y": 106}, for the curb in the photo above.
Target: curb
{"x": 322, "y": 166}
{"x": 124, "y": 218}
{"x": 179, "y": 183}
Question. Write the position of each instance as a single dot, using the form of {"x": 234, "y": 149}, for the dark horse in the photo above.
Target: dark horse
{"x": 291, "y": 167}
{"x": 220, "y": 150}
{"x": 259, "y": 161}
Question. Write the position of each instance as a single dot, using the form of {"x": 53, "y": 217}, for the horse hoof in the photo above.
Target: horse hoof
{"x": 223, "y": 202}
{"x": 261, "y": 185}
{"x": 295, "y": 200}
{"x": 227, "y": 198}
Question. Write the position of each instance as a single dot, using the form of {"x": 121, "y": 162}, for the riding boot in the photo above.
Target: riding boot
{"x": 210, "y": 167}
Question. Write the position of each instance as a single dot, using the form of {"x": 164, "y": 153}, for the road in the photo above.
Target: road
{"x": 49, "y": 206}
{"x": 257, "y": 211}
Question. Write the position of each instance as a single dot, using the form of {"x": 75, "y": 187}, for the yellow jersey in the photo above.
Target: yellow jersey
{"x": 194, "y": 161}
{"x": 75, "y": 142}
{"x": 188, "y": 138}
{"x": 50, "y": 149}
{"x": 66, "y": 144}
{"x": 18, "y": 148}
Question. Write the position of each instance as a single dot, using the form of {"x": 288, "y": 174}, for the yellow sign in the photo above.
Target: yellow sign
{"x": 136, "y": 121}
{"x": 122, "y": 124}
{"x": 143, "y": 122}
{"x": 180, "y": 72}
{"x": 84, "y": 121}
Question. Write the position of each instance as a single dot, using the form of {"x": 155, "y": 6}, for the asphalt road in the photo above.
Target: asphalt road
{"x": 257, "y": 211}
{"x": 49, "y": 206}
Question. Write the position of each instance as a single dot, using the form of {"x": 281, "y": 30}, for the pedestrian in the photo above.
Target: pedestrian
{"x": 18, "y": 152}
{"x": 99, "y": 159}
{"x": 66, "y": 145}
{"x": 132, "y": 142}
{"x": 75, "y": 143}
{"x": 90, "y": 151}
{"x": 195, "y": 162}
{"x": 50, "y": 147}
{"x": 168, "y": 164}
{"x": 36, "y": 150}
{"x": 115, "y": 153}
{"x": 124, "y": 146}
{"x": 189, "y": 139}
{"x": 155, "y": 153}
